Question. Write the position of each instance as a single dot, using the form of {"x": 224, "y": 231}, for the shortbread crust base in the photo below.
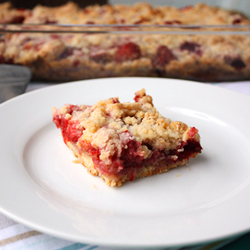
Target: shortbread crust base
{"x": 116, "y": 181}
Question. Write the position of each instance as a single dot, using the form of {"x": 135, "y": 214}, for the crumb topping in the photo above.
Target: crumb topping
{"x": 138, "y": 13}
{"x": 110, "y": 125}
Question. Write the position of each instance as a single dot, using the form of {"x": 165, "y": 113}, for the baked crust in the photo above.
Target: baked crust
{"x": 124, "y": 141}
{"x": 66, "y": 57}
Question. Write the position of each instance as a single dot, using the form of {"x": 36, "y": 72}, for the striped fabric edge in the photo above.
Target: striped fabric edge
{"x": 18, "y": 237}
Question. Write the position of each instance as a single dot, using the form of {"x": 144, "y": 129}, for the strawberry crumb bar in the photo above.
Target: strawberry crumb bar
{"x": 124, "y": 141}
{"x": 72, "y": 56}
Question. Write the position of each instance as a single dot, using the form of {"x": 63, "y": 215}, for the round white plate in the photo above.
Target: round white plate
{"x": 41, "y": 187}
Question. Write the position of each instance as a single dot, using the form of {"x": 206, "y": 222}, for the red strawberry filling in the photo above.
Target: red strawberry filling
{"x": 192, "y": 132}
{"x": 142, "y": 20}
{"x": 36, "y": 46}
{"x": 128, "y": 51}
{"x": 66, "y": 53}
{"x": 70, "y": 129}
{"x": 17, "y": 19}
{"x": 132, "y": 158}
{"x": 236, "y": 62}
{"x": 237, "y": 21}
{"x": 172, "y": 22}
{"x": 163, "y": 57}
{"x": 101, "y": 57}
{"x": 69, "y": 51}
{"x": 50, "y": 21}
{"x": 191, "y": 47}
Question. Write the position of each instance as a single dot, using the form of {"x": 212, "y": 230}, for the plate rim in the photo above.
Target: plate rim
{"x": 67, "y": 85}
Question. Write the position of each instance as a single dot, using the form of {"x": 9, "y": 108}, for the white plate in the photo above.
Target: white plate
{"x": 41, "y": 187}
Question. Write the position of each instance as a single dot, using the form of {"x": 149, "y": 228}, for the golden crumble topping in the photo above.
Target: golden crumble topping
{"x": 106, "y": 121}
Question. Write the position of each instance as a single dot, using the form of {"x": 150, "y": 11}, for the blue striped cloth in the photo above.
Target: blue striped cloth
{"x": 14, "y": 236}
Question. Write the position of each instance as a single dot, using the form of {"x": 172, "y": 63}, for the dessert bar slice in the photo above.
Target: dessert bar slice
{"x": 124, "y": 141}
